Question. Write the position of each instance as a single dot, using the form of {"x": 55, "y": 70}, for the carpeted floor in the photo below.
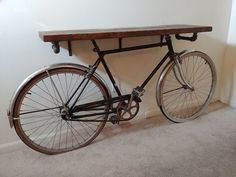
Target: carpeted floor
{"x": 151, "y": 147}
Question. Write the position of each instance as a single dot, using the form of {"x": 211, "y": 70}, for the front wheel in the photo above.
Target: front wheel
{"x": 179, "y": 103}
{"x": 40, "y": 103}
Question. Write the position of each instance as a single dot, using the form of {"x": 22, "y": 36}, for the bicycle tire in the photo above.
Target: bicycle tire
{"x": 180, "y": 104}
{"x": 45, "y": 131}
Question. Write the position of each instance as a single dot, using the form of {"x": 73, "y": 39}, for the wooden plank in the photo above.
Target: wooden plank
{"x": 67, "y": 35}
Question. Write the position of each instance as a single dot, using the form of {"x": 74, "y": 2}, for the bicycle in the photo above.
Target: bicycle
{"x": 63, "y": 107}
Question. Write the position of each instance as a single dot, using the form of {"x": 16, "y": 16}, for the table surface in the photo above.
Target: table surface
{"x": 92, "y": 34}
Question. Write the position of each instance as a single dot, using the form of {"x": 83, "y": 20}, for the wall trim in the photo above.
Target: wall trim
{"x": 12, "y": 146}
{"x": 228, "y": 102}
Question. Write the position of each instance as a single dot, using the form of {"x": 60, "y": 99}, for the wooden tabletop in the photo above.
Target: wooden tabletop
{"x": 70, "y": 35}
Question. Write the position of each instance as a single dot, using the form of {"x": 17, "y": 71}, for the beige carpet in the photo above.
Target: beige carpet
{"x": 153, "y": 147}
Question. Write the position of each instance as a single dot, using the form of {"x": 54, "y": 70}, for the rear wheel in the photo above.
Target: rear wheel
{"x": 179, "y": 103}
{"x": 39, "y": 109}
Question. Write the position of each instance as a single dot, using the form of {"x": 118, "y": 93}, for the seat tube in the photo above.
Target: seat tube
{"x": 101, "y": 59}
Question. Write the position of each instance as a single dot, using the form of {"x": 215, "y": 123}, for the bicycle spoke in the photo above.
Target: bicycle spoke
{"x": 40, "y": 104}
{"x": 180, "y": 104}
{"x": 54, "y": 87}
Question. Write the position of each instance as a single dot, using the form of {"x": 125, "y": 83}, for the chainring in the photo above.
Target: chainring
{"x": 126, "y": 114}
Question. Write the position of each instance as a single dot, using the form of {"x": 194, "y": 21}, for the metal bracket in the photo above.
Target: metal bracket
{"x": 161, "y": 40}
{"x": 69, "y": 48}
{"x": 192, "y": 38}
{"x": 120, "y": 43}
{"x": 56, "y": 47}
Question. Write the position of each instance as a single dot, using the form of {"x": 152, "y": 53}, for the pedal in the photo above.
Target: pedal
{"x": 114, "y": 119}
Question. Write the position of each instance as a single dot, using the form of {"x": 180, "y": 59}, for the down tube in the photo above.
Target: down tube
{"x": 155, "y": 70}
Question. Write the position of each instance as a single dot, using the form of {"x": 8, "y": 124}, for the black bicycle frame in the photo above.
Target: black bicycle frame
{"x": 101, "y": 54}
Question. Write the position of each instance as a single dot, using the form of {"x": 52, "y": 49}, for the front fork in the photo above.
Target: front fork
{"x": 183, "y": 80}
{"x": 175, "y": 57}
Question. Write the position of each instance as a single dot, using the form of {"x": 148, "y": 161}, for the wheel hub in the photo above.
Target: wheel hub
{"x": 65, "y": 115}
{"x": 186, "y": 87}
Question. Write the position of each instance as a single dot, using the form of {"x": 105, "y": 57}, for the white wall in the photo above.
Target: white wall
{"x": 22, "y": 52}
{"x": 228, "y": 90}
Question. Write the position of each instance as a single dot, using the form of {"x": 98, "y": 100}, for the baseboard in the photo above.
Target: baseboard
{"x": 227, "y": 101}
{"x": 12, "y": 146}
{"x": 215, "y": 99}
